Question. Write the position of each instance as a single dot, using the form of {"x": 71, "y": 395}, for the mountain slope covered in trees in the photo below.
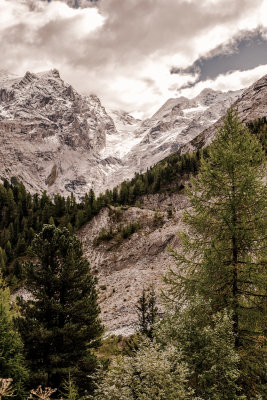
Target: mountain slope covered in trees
{"x": 126, "y": 239}
{"x": 215, "y": 326}
{"x": 23, "y": 214}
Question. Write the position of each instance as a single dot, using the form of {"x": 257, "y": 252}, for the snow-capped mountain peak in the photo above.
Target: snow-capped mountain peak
{"x": 53, "y": 138}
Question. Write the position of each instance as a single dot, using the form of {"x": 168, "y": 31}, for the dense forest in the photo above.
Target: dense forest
{"x": 23, "y": 214}
{"x": 210, "y": 342}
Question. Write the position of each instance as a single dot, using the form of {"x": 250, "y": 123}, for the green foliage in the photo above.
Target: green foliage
{"x": 115, "y": 213}
{"x": 168, "y": 175}
{"x": 223, "y": 255}
{"x": 147, "y": 312}
{"x": 113, "y": 346}
{"x": 223, "y": 262}
{"x": 70, "y": 390}
{"x": 12, "y": 363}
{"x": 60, "y": 324}
{"x": 22, "y": 215}
{"x": 207, "y": 343}
{"x": 105, "y": 235}
{"x": 259, "y": 128}
{"x": 122, "y": 232}
{"x": 151, "y": 373}
{"x": 171, "y": 173}
{"x": 3, "y": 259}
{"x": 158, "y": 219}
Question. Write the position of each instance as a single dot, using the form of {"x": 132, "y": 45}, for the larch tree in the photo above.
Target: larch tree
{"x": 60, "y": 323}
{"x": 223, "y": 251}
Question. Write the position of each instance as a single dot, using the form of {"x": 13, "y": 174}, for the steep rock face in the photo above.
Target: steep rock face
{"x": 42, "y": 107}
{"x": 120, "y": 144}
{"x": 177, "y": 122}
{"x": 45, "y": 123}
{"x": 127, "y": 266}
{"x": 180, "y": 120}
{"x": 54, "y": 139}
{"x": 251, "y": 105}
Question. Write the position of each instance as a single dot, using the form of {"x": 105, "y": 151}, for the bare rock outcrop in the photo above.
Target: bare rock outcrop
{"x": 251, "y": 105}
{"x": 45, "y": 124}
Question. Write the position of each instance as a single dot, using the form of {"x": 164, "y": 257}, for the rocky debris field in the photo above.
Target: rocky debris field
{"x": 126, "y": 266}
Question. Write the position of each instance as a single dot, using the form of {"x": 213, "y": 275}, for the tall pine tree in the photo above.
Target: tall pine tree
{"x": 223, "y": 255}
{"x": 60, "y": 324}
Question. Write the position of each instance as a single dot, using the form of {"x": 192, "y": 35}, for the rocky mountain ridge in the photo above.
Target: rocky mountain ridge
{"x": 48, "y": 130}
{"x": 124, "y": 266}
{"x": 177, "y": 122}
{"x": 251, "y": 105}
{"x": 52, "y": 138}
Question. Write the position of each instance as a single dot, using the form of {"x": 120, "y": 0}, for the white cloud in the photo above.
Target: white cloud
{"x": 231, "y": 81}
{"x": 36, "y": 15}
{"x": 121, "y": 50}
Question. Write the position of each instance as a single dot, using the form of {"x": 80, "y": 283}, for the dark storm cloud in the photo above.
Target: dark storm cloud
{"x": 246, "y": 52}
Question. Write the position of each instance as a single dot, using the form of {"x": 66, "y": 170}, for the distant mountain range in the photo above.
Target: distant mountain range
{"x": 55, "y": 139}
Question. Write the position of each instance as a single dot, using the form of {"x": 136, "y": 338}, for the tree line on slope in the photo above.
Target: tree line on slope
{"x": 210, "y": 343}
{"x": 23, "y": 214}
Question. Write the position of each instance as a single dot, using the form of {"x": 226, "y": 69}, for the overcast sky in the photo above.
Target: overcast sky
{"x": 135, "y": 54}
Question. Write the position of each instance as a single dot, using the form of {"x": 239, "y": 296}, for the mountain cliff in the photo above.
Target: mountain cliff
{"x": 251, "y": 105}
{"x": 177, "y": 122}
{"x": 127, "y": 265}
{"x": 55, "y": 139}
{"x": 128, "y": 245}
{"x": 51, "y": 136}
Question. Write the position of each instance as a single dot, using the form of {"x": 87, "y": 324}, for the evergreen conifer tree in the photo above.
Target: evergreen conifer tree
{"x": 147, "y": 312}
{"x": 60, "y": 324}
{"x": 142, "y": 309}
{"x": 223, "y": 256}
